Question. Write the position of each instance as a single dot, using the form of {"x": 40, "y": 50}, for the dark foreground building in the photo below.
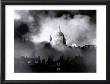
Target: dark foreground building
{"x": 59, "y": 65}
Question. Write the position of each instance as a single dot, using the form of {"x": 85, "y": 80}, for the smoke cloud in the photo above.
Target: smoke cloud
{"x": 78, "y": 26}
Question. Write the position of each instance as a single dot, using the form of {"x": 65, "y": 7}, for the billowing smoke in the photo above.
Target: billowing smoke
{"x": 78, "y": 27}
{"x": 36, "y": 26}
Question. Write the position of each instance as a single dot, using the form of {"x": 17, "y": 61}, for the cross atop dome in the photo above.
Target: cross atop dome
{"x": 59, "y": 29}
{"x": 59, "y": 33}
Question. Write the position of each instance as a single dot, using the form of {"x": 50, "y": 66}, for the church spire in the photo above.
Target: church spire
{"x": 59, "y": 29}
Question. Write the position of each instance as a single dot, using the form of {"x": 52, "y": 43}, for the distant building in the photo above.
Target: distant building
{"x": 74, "y": 45}
{"x": 89, "y": 46}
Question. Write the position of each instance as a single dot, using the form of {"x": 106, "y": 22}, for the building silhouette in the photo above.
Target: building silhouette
{"x": 60, "y": 65}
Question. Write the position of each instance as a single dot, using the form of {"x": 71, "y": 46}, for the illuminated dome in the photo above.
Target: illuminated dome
{"x": 59, "y": 38}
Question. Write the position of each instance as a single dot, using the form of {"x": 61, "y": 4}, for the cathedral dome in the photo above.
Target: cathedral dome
{"x": 59, "y": 38}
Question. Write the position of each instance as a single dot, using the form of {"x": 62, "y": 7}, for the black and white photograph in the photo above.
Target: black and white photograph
{"x": 55, "y": 41}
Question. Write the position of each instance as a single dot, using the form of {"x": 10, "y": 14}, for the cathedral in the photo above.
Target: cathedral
{"x": 58, "y": 38}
